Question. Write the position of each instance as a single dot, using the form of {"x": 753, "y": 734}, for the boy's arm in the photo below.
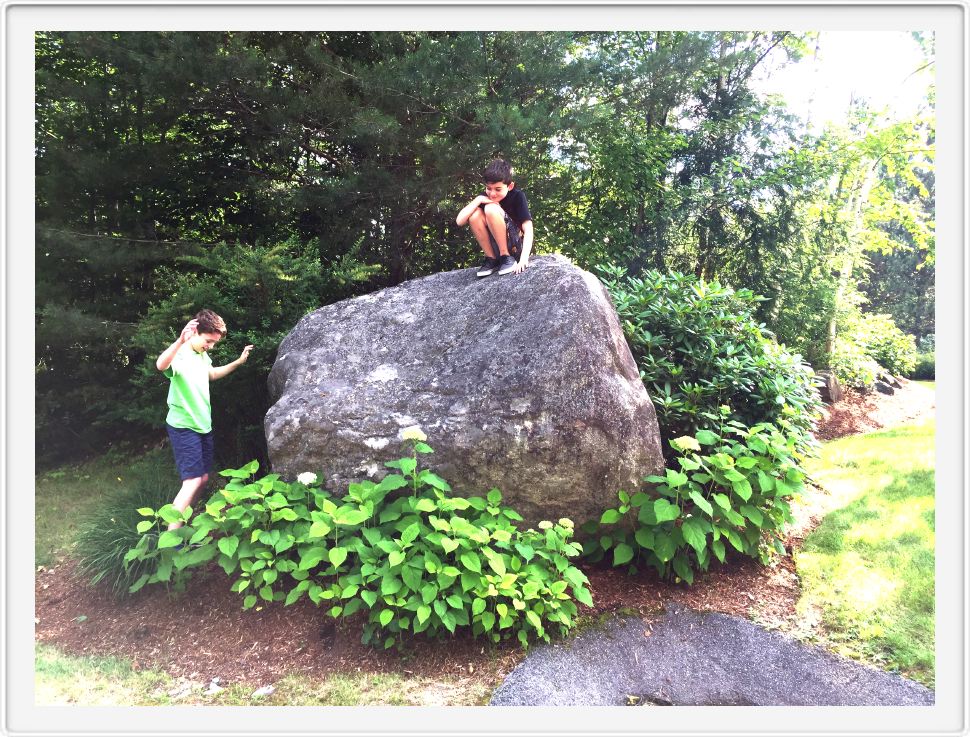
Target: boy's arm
{"x": 527, "y": 236}
{"x": 220, "y": 371}
{"x": 168, "y": 355}
{"x": 467, "y": 211}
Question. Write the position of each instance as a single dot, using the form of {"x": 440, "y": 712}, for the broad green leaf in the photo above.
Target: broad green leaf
{"x": 319, "y": 529}
{"x": 471, "y": 561}
{"x": 249, "y": 602}
{"x": 391, "y": 585}
{"x": 488, "y": 621}
{"x": 682, "y": 568}
{"x": 644, "y": 537}
{"x": 623, "y": 553}
{"x": 494, "y": 496}
{"x": 478, "y": 606}
{"x": 693, "y": 535}
{"x": 742, "y": 487}
{"x": 385, "y": 617}
{"x": 137, "y": 585}
{"x": 395, "y": 558}
{"x": 169, "y": 539}
{"x": 425, "y": 505}
{"x": 722, "y": 501}
{"x": 337, "y": 556}
{"x": 718, "y": 547}
{"x": 702, "y": 503}
{"x": 496, "y": 563}
{"x": 448, "y": 544}
{"x": 526, "y": 551}
{"x": 146, "y": 511}
{"x": 391, "y": 482}
{"x": 610, "y": 516}
{"x": 765, "y": 482}
{"x": 228, "y": 545}
{"x": 752, "y": 514}
{"x": 369, "y": 597}
{"x": 434, "y": 480}
{"x": 144, "y": 526}
{"x": 665, "y": 511}
{"x": 706, "y": 437}
{"x": 424, "y": 611}
{"x": 663, "y": 546}
{"x": 582, "y": 595}
{"x": 170, "y": 514}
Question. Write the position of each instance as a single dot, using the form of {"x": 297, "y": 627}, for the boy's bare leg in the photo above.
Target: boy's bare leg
{"x": 185, "y": 497}
{"x": 480, "y": 230}
{"x": 495, "y": 220}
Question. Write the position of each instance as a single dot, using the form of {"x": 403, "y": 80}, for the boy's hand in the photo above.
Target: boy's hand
{"x": 244, "y": 356}
{"x": 520, "y": 267}
{"x": 190, "y": 329}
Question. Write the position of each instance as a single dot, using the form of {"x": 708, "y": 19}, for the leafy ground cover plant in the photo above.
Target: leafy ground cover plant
{"x": 405, "y": 551}
{"x": 731, "y": 491}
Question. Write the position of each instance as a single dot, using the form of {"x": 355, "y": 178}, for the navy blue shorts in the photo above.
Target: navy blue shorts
{"x": 513, "y": 238}
{"x": 193, "y": 451}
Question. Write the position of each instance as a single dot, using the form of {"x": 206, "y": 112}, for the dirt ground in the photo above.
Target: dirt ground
{"x": 204, "y": 633}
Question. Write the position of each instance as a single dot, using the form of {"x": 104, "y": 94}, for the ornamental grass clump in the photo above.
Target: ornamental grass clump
{"x": 404, "y": 551}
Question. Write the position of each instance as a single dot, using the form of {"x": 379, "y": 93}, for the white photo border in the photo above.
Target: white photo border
{"x": 18, "y": 715}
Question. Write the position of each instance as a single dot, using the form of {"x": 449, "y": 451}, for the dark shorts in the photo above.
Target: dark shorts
{"x": 193, "y": 451}
{"x": 513, "y": 237}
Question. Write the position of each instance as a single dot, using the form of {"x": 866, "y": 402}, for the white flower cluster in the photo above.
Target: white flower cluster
{"x": 413, "y": 433}
{"x": 307, "y": 477}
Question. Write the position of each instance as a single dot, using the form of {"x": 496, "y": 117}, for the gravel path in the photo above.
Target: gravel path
{"x": 685, "y": 658}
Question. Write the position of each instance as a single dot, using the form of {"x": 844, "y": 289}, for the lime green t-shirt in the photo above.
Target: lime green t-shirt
{"x": 188, "y": 392}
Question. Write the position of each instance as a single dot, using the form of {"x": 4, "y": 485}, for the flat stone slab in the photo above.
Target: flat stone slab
{"x": 688, "y": 658}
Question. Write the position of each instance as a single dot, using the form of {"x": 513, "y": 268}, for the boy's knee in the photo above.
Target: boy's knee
{"x": 494, "y": 208}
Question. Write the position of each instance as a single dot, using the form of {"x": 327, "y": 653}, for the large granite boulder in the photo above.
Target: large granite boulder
{"x": 522, "y": 382}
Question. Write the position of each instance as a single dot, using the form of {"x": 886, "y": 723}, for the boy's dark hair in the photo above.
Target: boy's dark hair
{"x": 210, "y": 322}
{"x": 498, "y": 171}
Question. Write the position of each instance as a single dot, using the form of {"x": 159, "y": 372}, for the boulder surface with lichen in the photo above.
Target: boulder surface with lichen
{"x": 522, "y": 382}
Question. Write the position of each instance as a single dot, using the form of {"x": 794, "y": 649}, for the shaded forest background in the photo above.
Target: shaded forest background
{"x": 266, "y": 174}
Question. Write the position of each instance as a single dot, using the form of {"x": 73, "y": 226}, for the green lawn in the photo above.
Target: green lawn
{"x": 61, "y": 679}
{"x": 867, "y": 571}
{"x": 63, "y": 497}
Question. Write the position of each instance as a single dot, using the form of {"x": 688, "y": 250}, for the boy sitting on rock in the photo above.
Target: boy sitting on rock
{"x": 189, "y": 423}
{"x": 500, "y": 221}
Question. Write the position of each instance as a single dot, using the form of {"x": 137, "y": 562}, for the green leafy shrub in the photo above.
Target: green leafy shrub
{"x": 925, "y": 368}
{"x": 700, "y": 350}
{"x": 729, "y": 492}
{"x": 889, "y": 346}
{"x": 106, "y": 535}
{"x": 853, "y": 366}
{"x": 868, "y": 343}
{"x": 413, "y": 557}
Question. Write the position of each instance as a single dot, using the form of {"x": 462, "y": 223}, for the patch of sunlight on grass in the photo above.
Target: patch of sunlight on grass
{"x": 868, "y": 569}
{"x": 61, "y": 679}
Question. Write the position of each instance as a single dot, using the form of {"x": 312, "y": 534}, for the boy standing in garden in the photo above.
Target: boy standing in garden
{"x": 189, "y": 422}
{"x": 500, "y": 221}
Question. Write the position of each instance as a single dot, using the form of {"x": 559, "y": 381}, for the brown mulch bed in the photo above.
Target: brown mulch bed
{"x": 203, "y": 632}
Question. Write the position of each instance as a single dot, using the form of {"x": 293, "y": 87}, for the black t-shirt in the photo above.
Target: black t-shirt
{"x": 516, "y": 205}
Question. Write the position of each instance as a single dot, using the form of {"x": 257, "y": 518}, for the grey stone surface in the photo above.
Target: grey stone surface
{"x": 885, "y": 388}
{"x": 522, "y": 382}
{"x": 686, "y": 658}
{"x": 829, "y": 388}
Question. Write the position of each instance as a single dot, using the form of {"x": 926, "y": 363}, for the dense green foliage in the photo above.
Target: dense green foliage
{"x": 107, "y": 532}
{"x": 704, "y": 358}
{"x": 873, "y": 343}
{"x": 730, "y": 490}
{"x": 404, "y": 551}
{"x": 169, "y": 158}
